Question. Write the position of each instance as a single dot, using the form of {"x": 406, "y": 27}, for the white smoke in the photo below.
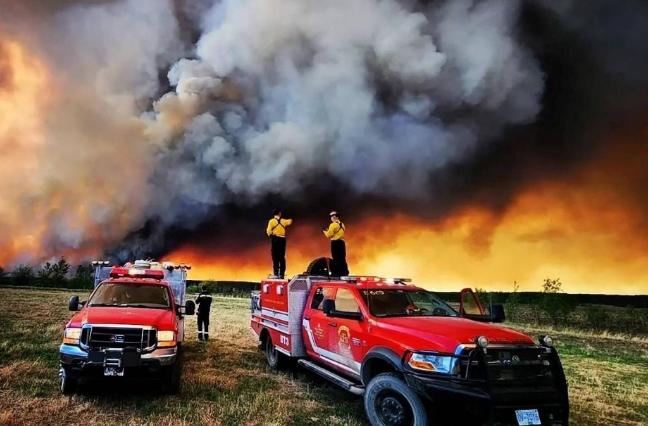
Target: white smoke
{"x": 277, "y": 94}
{"x": 371, "y": 92}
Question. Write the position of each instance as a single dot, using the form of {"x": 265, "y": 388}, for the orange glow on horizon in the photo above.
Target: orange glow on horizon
{"x": 584, "y": 230}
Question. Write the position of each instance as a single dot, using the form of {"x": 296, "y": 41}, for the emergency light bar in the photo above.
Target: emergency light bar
{"x": 120, "y": 272}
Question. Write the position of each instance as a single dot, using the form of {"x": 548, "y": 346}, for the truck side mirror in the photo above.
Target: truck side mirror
{"x": 190, "y": 307}
{"x": 73, "y": 304}
{"x": 497, "y": 313}
{"x": 328, "y": 306}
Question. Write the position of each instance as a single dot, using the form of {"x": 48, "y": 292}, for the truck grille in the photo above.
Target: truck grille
{"x": 525, "y": 364}
{"x": 106, "y": 337}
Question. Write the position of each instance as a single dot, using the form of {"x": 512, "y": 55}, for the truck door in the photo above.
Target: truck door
{"x": 316, "y": 322}
{"x": 469, "y": 303}
{"x": 347, "y": 338}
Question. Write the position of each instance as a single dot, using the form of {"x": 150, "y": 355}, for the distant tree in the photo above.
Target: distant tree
{"x": 23, "y": 275}
{"x": 512, "y": 305}
{"x": 84, "y": 272}
{"x": 55, "y": 272}
{"x": 553, "y": 302}
{"x": 83, "y": 277}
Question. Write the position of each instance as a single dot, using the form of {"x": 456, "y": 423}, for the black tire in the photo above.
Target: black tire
{"x": 320, "y": 266}
{"x": 69, "y": 383}
{"x": 275, "y": 359}
{"x": 172, "y": 375}
{"x": 171, "y": 378}
{"x": 389, "y": 401}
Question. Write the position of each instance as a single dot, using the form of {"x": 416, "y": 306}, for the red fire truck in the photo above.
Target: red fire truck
{"x": 414, "y": 358}
{"x": 131, "y": 325}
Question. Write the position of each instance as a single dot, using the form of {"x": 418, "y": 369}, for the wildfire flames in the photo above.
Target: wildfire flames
{"x": 586, "y": 229}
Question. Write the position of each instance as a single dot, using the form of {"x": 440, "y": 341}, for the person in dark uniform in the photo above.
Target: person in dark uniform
{"x": 203, "y": 301}
{"x": 335, "y": 233}
{"x": 276, "y": 230}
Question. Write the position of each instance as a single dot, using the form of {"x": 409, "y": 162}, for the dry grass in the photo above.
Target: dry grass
{"x": 225, "y": 382}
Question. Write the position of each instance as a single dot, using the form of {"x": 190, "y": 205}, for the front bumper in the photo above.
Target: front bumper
{"x": 78, "y": 360}
{"x": 473, "y": 402}
{"x": 488, "y": 396}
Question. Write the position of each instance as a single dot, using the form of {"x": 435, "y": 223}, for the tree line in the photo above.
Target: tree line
{"x": 55, "y": 274}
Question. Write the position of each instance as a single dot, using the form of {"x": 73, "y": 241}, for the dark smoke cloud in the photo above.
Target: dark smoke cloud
{"x": 369, "y": 107}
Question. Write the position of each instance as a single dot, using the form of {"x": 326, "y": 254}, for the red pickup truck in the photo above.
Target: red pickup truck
{"x": 131, "y": 325}
{"x": 414, "y": 358}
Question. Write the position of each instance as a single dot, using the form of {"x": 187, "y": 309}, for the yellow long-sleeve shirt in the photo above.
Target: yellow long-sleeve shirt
{"x": 335, "y": 231}
{"x": 277, "y": 227}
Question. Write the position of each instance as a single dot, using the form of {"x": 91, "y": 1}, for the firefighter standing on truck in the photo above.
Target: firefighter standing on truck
{"x": 276, "y": 230}
{"x": 203, "y": 301}
{"x": 335, "y": 233}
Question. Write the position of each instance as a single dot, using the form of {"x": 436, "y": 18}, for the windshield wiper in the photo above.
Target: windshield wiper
{"x": 140, "y": 305}
{"x": 105, "y": 304}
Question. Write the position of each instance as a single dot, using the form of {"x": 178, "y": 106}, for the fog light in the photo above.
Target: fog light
{"x": 546, "y": 341}
{"x": 482, "y": 342}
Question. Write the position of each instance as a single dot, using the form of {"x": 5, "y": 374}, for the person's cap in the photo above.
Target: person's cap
{"x": 333, "y": 213}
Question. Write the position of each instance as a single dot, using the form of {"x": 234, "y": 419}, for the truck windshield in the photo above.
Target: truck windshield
{"x": 402, "y": 303}
{"x": 125, "y": 295}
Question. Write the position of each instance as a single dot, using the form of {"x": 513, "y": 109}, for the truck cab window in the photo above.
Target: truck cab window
{"x": 345, "y": 301}
{"x": 321, "y": 294}
{"x": 400, "y": 303}
{"x": 124, "y": 295}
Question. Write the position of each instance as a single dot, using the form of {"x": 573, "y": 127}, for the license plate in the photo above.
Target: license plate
{"x": 113, "y": 371}
{"x": 528, "y": 417}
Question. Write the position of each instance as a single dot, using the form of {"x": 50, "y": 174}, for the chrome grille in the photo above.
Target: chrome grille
{"x": 142, "y": 339}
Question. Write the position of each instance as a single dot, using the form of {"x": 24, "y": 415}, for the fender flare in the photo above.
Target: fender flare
{"x": 379, "y": 354}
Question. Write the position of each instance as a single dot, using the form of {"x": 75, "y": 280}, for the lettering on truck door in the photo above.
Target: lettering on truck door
{"x": 316, "y": 325}
{"x": 347, "y": 337}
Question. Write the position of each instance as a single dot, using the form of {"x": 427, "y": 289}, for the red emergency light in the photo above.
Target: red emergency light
{"x": 119, "y": 272}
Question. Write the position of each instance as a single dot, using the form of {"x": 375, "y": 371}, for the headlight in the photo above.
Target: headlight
{"x": 71, "y": 336}
{"x": 433, "y": 363}
{"x": 166, "y": 338}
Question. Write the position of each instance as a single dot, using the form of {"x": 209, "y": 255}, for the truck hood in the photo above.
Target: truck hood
{"x": 162, "y": 319}
{"x": 446, "y": 333}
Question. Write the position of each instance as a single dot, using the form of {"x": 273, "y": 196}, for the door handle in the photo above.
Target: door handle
{"x": 332, "y": 324}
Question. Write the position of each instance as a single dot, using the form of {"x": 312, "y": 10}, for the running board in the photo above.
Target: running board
{"x": 332, "y": 377}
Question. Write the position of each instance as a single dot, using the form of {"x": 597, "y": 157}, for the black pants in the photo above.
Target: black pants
{"x": 278, "y": 251}
{"x": 203, "y": 327}
{"x": 339, "y": 267}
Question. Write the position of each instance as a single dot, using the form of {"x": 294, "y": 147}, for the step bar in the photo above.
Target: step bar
{"x": 332, "y": 377}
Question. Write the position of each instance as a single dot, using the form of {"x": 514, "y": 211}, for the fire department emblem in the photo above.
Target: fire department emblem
{"x": 344, "y": 337}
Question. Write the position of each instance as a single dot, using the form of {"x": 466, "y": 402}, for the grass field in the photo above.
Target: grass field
{"x": 226, "y": 381}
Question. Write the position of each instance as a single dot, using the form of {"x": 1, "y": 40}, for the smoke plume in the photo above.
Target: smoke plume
{"x": 129, "y": 127}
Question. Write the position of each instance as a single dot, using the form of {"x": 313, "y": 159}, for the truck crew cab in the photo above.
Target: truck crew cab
{"x": 414, "y": 358}
{"x": 132, "y": 325}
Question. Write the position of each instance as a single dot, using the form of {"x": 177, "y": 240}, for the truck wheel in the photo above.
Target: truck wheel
{"x": 69, "y": 383}
{"x": 171, "y": 378}
{"x": 276, "y": 360}
{"x": 389, "y": 401}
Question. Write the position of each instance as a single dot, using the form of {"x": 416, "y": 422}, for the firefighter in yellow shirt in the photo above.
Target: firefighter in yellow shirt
{"x": 276, "y": 230}
{"x": 335, "y": 233}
